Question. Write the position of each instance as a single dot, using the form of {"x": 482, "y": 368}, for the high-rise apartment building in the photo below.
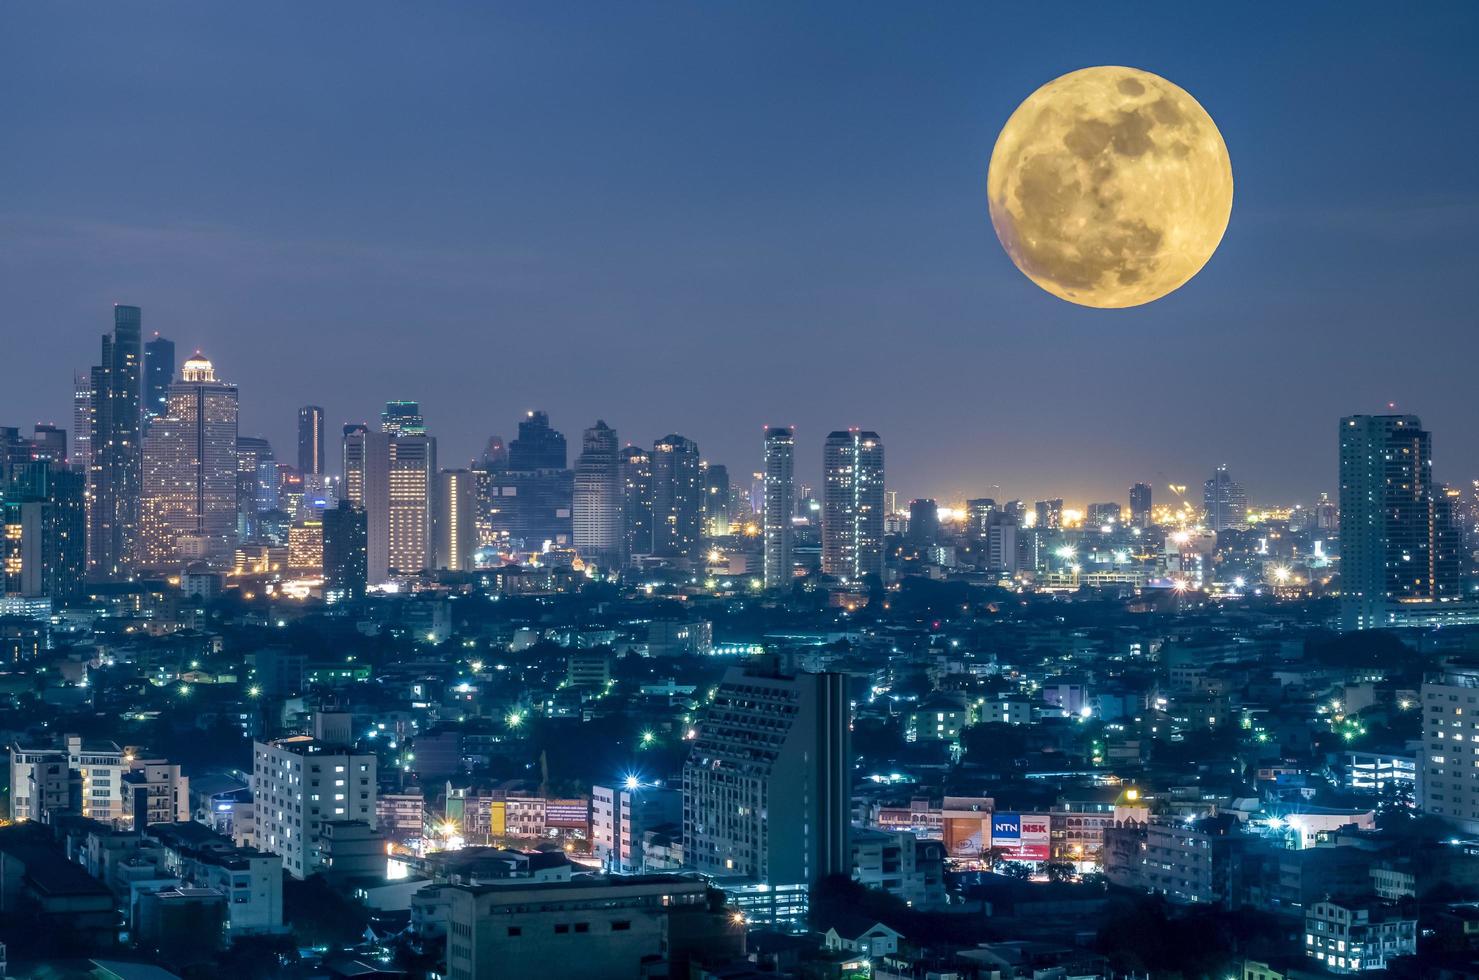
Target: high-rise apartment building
{"x": 43, "y": 531}
{"x": 116, "y": 451}
{"x": 677, "y": 498}
{"x": 1398, "y": 565}
{"x": 456, "y": 518}
{"x": 1225, "y": 501}
{"x": 190, "y": 471}
{"x": 768, "y": 781}
{"x": 852, "y": 505}
{"x": 1140, "y": 503}
{"x": 72, "y": 775}
{"x": 780, "y": 506}
{"x": 596, "y": 503}
{"x": 1049, "y": 514}
{"x": 299, "y": 784}
{"x": 84, "y": 413}
{"x": 636, "y": 502}
{"x": 1448, "y": 762}
{"x": 311, "y": 440}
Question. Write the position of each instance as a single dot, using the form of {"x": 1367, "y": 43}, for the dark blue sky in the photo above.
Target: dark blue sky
{"x": 705, "y": 217}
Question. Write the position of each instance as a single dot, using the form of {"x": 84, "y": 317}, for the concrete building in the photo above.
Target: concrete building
{"x": 74, "y": 776}
{"x": 780, "y": 506}
{"x": 456, "y": 520}
{"x": 1358, "y": 936}
{"x": 1448, "y": 767}
{"x": 154, "y": 792}
{"x": 852, "y": 505}
{"x": 622, "y": 815}
{"x": 767, "y": 784}
{"x": 298, "y": 785}
{"x": 595, "y": 928}
{"x": 596, "y": 509}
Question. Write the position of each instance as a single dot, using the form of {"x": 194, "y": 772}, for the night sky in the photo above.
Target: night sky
{"x": 705, "y": 217}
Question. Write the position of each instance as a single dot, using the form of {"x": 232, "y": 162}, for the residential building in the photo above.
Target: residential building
{"x": 300, "y": 783}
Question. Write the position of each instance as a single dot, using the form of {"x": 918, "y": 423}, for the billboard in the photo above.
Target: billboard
{"x": 1021, "y": 836}
{"x": 966, "y": 837}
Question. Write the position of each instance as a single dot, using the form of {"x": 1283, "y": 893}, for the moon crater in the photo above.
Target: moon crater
{"x": 1110, "y": 187}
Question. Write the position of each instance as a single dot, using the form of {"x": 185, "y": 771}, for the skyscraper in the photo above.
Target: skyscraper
{"x": 367, "y": 487}
{"x": 49, "y": 443}
{"x": 677, "y": 498}
{"x": 190, "y": 471}
{"x": 1225, "y": 501}
{"x": 780, "y": 505}
{"x": 311, "y": 440}
{"x": 402, "y": 419}
{"x": 596, "y": 504}
{"x": 43, "y": 523}
{"x": 767, "y": 783}
{"x": 715, "y": 517}
{"x": 1049, "y": 514}
{"x": 159, "y": 374}
{"x": 1395, "y": 535}
{"x": 1140, "y": 505}
{"x": 924, "y": 522}
{"x": 531, "y": 497}
{"x": 456, "y": 520}
{"x": 538, "y": 447}
{"x": 852, "y": 505}
{"x": 255, "y": 492}
{"x": 411, "y": 471}
{"x": 115, "y": 455}
{"x": 346, "y": 558}
{"x": 636, "y": 502}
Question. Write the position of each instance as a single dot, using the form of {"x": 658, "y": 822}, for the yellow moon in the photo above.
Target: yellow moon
{"x": 1110, "y": 187}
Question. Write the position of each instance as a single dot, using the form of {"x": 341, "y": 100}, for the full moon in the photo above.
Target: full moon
{"x": 1110, "y": 187}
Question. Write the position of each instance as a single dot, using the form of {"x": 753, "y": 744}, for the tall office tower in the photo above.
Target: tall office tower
{"x": 677, "y": 498}
{"x": 715, "y": 517}
{"x": 83, "y": 419}
{"x": 1140, "y": 505}
{"x": 767, "y": 785}
{"x": 636, "y": 502}
{"x": 780, "y": 505}
{"x": 852, "y": 505}
{"x": 978, "y": 512}
{"x": 43, "y": 542}
{"x": 411, "y": 472}
{"x": 116, "y": 459}
{"x": 402, "y": 419}
{"x": 49, "y": 443}
{"x": 299, "y": 784}
{"x": 306, "y": 548}
{"x": 1394, "y": 569}
{"x": 1225, "y": 501}
{"x": 254, "y": 464}
{"x": 1049, "y": 514}
{"x": 311, "y": 440}
{"x": 367, "y": 486}
{"x": 456, "y": 520}
{"x": 924, "y": 523}
{"x": 596, "y": 503}
{"x": 159, "y": 373}
{"x": 346, "y": 551}
{"x": 538, "y": 447}
{"x": 190, "y": 471}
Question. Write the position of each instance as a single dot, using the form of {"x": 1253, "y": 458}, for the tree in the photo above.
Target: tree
{"x": 1059, "y": 871}
{"x": 1017, "y": 870}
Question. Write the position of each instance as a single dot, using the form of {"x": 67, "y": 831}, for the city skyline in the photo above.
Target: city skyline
{"x": 786, "y": 249}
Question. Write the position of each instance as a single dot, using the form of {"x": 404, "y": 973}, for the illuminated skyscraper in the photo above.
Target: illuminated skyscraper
{"x": 715, "y": 516}
{"x": 159, "y": 374}
{"x": 1049, "y": 514}
{"x": 190, "y": 471}
{"x": 411, "y": 470}
{"x": 43, "y": 522}
{"x": 367, "y": 487}
{"x": 402, "y": 419}
{"x": 636, "y": 502}
{"x": 852, "y": 505}
{"x": 1225, "y": 501}
{"x": 677, "y": 498}
{"x": 596, "y": 505}
{"x": 115, "y": 454}
{"x": 531, "y": 497}
{"x": 456, "y": 520}
{"x": 310, "y": 440}
{"x": 1140, "y": 505}
{"x": 1398, "y": 565}
{"x": 49, "y": 443}
{"x": 780, "y": 505}
{"x": 256, "y": 483}
{"x": 84, "y": 414}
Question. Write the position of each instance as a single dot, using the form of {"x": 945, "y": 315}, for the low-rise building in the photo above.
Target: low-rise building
{"x": 1358, "y": 936}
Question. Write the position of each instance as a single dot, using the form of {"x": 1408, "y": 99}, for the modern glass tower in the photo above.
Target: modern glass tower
{"x": 115, "y": 468}
{"x": 159, "y": 374}
{"x": 780, "y": 505}
{"x": 311, "y": 440}
{"x": 677, "y": 498}
{"x": 636, "y": 503}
